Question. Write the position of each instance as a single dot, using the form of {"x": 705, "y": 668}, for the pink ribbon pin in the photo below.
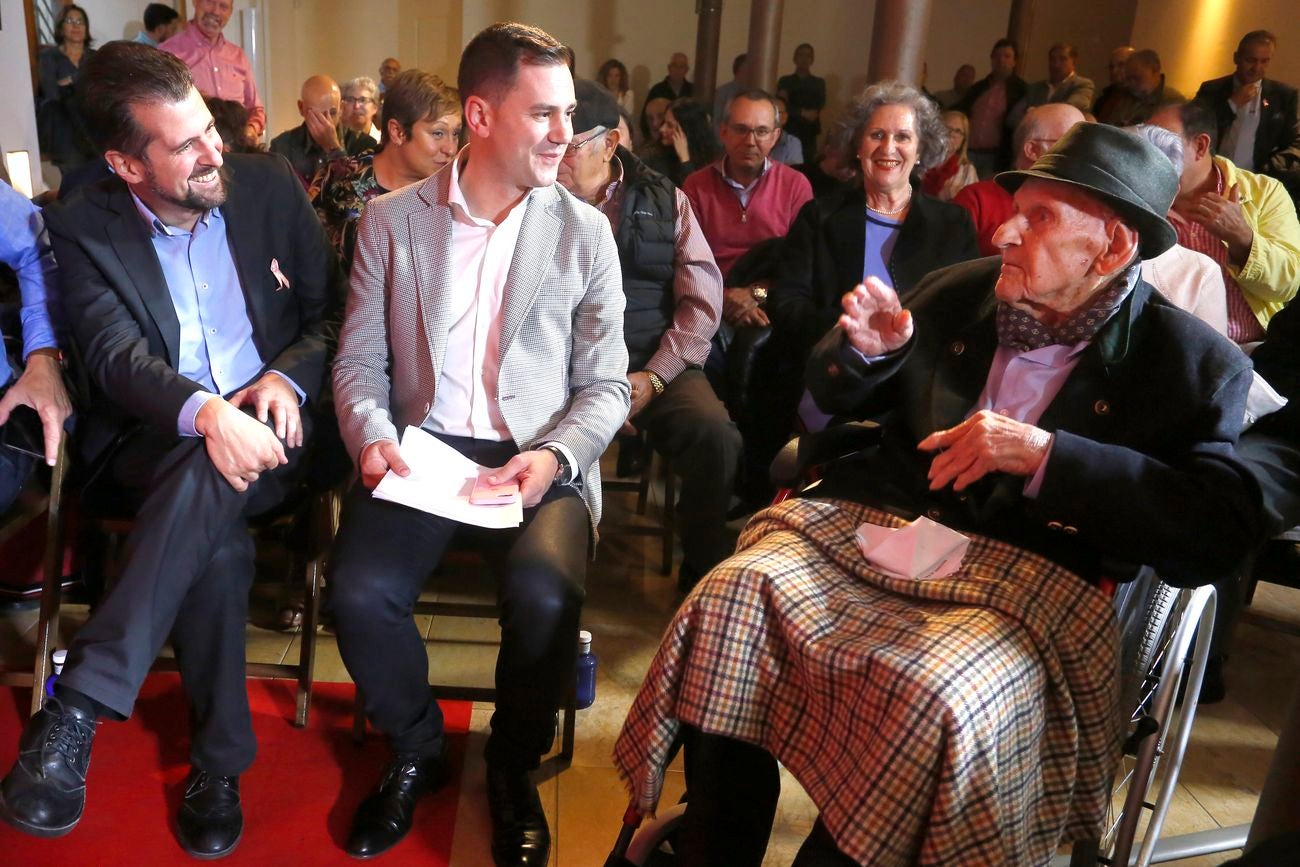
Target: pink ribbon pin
{"x": 279, "y": 277}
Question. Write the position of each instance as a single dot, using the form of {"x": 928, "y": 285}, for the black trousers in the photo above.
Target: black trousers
{"x": 732, "y": 791}
{"x": 189, "y": 567}
{"x": 689, "y": 425}
{"x": 382, "y": 559}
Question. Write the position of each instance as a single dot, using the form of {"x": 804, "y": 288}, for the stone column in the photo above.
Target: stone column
{"x": 765, "y": 43}
{"x": 898, "y": 40}
{"x": 706, "y": 48}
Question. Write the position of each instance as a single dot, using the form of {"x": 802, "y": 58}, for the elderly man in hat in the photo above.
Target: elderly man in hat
{"x": 1059, "y": 414}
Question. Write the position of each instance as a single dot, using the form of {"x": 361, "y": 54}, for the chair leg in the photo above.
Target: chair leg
{"x": 47, "y": 628}
{"x": 307, "y": 657}
{"x": 568, "y": 734}
{"x": 669, "y": 518}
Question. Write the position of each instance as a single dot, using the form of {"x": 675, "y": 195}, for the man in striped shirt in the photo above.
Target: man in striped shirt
{"x": 674, "y": 304}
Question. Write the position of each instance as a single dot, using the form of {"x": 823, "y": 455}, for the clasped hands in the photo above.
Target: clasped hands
{"x": 241, "y": 445}
{"x": 533, "y": 471}
{"x": 875, "y": 324}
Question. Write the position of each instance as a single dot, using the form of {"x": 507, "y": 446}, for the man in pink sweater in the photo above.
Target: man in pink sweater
{"x": 745, "y": 198}
{"x": 220, "y": 68}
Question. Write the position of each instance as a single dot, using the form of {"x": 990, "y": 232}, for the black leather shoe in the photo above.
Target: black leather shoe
{"x": 384, "y": 817}
{"x": 211, "y": 822}
{"x": 45, "y": 791}
{"x": 520, "y": 837}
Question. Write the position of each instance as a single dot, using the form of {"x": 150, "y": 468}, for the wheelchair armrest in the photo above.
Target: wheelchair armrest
{"x": 797, "y": 457}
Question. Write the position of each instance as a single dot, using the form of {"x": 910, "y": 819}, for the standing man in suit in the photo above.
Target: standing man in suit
{"x": 198, "y": 290}
{"x": 1258, "y": 126}
{"x": 1063, "y": 84}
{"x": 486, "y": 307}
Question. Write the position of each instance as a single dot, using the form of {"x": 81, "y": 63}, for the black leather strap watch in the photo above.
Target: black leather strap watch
{"x": 563, "y": 469}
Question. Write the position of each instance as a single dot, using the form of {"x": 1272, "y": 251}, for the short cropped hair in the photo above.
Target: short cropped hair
{"x": 120, "y": 76}
{"x": 1168, "y": 143}
{"x": 361, "y": 82}
{"x": 931, "y": 134}
{"x": 754, "y": 95}
{"x": 1006, "y": 43}
{"x": 1198, "y": 118}
{"x": 1070, "y": 51}
{"x": 416, "y": 95}
{"x": 1148, "y": 58}
{"x": 1265, "y": 36}
{"x": 158, "y": 14}
{"x": 490, "y": 63}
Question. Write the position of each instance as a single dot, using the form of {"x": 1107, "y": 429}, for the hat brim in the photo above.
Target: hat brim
{"x": 1155, "y": 234}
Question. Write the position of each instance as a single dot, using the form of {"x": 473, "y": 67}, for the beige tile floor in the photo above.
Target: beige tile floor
{"x": 629, "y": 604}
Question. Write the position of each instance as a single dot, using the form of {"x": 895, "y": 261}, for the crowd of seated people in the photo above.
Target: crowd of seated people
{"x": 998, "y": 284}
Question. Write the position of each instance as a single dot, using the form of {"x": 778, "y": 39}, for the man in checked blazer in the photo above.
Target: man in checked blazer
{"x": 486, "y": 307}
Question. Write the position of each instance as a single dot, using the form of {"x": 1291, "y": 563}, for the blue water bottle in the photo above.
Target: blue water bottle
{"x": 586, "y": 685}
{"x": 58, "y": 657}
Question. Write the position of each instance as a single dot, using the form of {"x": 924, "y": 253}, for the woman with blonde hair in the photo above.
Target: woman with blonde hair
{"x": 949, "y": 177}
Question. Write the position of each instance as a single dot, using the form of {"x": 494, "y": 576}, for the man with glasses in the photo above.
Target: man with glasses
{"x": 746, "y": 197}
{"x": 674, "y": 304}
{"x": 310, "y": 145}
{"x": 989, "y": 204}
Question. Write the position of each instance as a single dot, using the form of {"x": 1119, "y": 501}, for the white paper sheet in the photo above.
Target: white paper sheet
{"x": 921, "y": 549}
{"x": 440, "y": 483}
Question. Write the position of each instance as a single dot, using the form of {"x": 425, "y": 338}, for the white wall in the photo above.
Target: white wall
{"x": 17, "y": 100}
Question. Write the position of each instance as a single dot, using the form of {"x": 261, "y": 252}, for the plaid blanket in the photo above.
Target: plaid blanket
{"x": 966, "y": 720}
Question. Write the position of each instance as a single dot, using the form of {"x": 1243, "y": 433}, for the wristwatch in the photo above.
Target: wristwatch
{"x": 759, "y": 291}
{"x": 563, "y": 469}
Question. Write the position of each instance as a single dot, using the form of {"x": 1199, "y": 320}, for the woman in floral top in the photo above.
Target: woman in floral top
{"x": 420, "y": 134}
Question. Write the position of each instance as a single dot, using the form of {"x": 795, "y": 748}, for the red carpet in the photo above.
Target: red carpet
{"x": 299, "y": 795}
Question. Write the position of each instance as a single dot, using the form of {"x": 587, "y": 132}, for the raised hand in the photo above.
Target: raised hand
{"x": 874, "y": 321}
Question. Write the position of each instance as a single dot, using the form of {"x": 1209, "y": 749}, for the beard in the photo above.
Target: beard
{"x": 193, "y": 200}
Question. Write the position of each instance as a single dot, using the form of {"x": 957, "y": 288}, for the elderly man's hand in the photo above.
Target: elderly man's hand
{"x": 873, "y": 320}
{"x": 1224, "y": 218}
{"x": 984, "y": 443}
{"x": 322, "y": 131}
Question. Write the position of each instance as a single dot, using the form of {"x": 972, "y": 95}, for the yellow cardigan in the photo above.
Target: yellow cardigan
{"x": 1271, "y": 274}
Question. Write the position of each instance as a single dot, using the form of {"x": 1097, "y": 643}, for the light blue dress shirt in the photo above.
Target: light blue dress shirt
{"x": 216, "y": 336}
{"x": 25, "y": 247}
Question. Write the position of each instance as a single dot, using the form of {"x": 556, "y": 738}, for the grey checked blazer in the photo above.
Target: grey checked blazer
{"x": 563, "y": 360}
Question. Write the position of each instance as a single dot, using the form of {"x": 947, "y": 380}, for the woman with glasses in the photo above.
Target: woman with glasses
{"x": 956, "y": 172}
{"x": 60, "y": 130}
{"x": 361, "y": 106}
{"x": 686, "y": 141}
{"x": 420, "y": 133}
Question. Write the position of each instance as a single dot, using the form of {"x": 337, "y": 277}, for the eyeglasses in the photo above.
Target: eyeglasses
{"x": 357, "y": 100}
{"x": 71, "y": 20}
{"x": 575, "y": 146}
{"x": 739, "y": 130}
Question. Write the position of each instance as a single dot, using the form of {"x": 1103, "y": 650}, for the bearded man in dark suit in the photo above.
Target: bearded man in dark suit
{"x": 198, "y": 289}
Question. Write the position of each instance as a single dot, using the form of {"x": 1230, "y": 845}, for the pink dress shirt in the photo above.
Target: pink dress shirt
{"x": 220, "y": 69}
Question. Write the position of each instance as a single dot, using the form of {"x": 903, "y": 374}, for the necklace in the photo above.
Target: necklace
{"x": 901, "y": 208}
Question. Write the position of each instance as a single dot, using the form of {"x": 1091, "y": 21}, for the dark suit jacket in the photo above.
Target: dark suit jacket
{"x": 823, "y": 254}
{"x": 122, "y": 315}
{"x": 1277, "y": 142}
{"x": 1142, "y": 468}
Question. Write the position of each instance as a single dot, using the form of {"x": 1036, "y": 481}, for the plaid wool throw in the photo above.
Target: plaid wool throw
{"x": 967, "y": 720}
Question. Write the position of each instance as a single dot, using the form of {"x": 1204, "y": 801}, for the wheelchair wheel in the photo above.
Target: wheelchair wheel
{"x": 1159, "y": 727}
{"x": 653, "y": 845}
